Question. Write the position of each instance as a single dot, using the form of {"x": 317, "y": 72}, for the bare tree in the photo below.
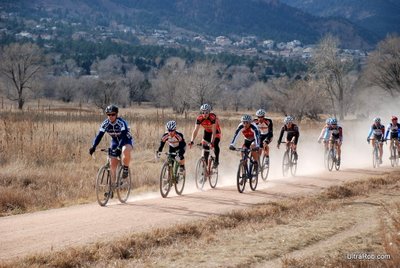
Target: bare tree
{"x": 66, "y": 88}
{"x": 383, "y": 69}
{"x": 137, "y": 85}
{"x": 331, "y": 69}
{"x": 20, "y": 67}
{"x": 107, "y": 91}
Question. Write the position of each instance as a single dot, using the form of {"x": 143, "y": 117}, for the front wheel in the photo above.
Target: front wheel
{"x": 254, "y": 176}
{"x": 200, "y": 175}
{"x": 180, "y": 182}
{"x": 331, "y": 159}
{"x": 103, "y": 186}
{"x": 165, "y": 182}
{"x": 213, "y": 175}
{"x": 123, "y": 186}
{"x": 375, "y": 158}
{"x": 264, "y": 169}
{"x": 394, "y": 160}
{"x": 293, "y": 163}
{"x": 285, "y": 164}
{"x": 241, "y": 177}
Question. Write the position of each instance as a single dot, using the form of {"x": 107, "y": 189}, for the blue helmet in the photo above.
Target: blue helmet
{"x": 333, "y": 121}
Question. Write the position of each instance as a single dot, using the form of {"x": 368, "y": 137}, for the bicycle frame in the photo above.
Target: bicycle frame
{"x": 204, "y": 170}
{"x": 247, "y": 163}
{"x": 170, "y": 168}
{"x": 289, "y": 161}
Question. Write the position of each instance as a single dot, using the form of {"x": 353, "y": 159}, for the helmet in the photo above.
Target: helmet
{"x": 111, "y": 109}
{"x": 333, "y": 121}
{"x": 246, "y": 118}
{"x": 377, "y": 120}
{"x": 205, "y": 107}
{"x": 288, "y": 119}
{"x": 328, "y": 121}
{"x": 394, "y": 117}
{"x": 170, "y": 125}
{"x": 260, "y": 112}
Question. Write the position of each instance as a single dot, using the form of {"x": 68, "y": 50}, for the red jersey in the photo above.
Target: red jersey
{"x": 208, "y": 123}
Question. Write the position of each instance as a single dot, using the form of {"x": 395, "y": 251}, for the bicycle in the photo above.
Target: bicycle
{"x": 289, "y": 160}
{"x": 105, "y": 187}
{"x": 204, "y": 170}
{"x": 394, "y": 153}
{"x": 170, "y": 175}
{"x": 247, "y": 170}
{"x": 332, "y": 158}
{"x": 264, "y": 167}
{"x": 376, "y": 160}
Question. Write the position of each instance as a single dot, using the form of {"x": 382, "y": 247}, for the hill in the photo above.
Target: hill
{"x": 267, "y": 19}
{"x": 379, "y": 16}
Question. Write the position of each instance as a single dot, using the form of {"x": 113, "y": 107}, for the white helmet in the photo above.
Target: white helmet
{"x": 377, "y": 120}
{"x": 288, "y": 119}
{"x": 171, "y": 125}
{"x": 246, "y": 118}
{"x": 260, "y": 112}
{"x": 205, "y": 107}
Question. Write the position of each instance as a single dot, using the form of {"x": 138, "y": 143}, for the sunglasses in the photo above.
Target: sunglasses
{"x": 205, "y": 112}
{"x": 260, "y": 116}
{"x": 111, "y": 114}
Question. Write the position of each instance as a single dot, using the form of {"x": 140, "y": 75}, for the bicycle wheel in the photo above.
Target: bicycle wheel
{"x": 213, "y": 174}
{"x": 331, "y": 159}
{"x": 254, "y": 176}
{"x": 293, "y": 165}
{"x": 180, "y": 182}
{"x": 264, "y": 169}
{"x": 375, "y": 158}
{"x": 241, "y": 177}
{"x": 396, "y": 156}
{"x": 103, "y": 186}
{"x": 200, "y": 175}
{"x": 393, "y": 155}
{"x": 123, "y": 185}
{"x": 337, "y": 163}
{"x": 285, "y": 163}
{"x": 165, "y": 182}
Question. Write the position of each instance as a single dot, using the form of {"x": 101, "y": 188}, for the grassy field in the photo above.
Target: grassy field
{"x": 44, "y": 152}
{"x": 320, "y": 230}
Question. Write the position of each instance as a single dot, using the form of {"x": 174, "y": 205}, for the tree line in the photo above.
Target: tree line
{"x": 331, "y": 83}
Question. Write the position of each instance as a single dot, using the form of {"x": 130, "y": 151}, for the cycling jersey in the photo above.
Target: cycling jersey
{"x": 293, "y": 131}
{"x": 335, "y": 132}
{"x": 251, "y": 134}
{"x": 119, "y": 132}
{"x": 324, "y": 130}
{"x": 394, "y": 131}
{"x": 208, "y": 122}
{"x": 377, "y": 131}
{"x": 176, "y": 142}
{"x": 265, "y": 126}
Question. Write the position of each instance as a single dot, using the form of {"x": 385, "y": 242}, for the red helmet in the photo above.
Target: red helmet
{"x": 394, "y": 118}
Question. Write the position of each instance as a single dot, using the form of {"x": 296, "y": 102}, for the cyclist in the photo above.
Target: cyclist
{"x": 292, "y": 135}
{"x": 394, "y": 130}
{"x": 323, "y": 132}
{"x": 335, "y": 134}
{"x": 212, "y": 131}
{"x": 176, "y": 142}
{"x": 266, "y": 130}
{"x": 121, "y": 140}
{"x": 377, "y": 130}
{"x": 251, "y": 136}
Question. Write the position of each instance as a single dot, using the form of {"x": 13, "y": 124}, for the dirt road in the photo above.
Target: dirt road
{"x": 55, "y": 229}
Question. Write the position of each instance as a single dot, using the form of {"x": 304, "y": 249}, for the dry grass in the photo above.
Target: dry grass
{"x": 224, "y": 237}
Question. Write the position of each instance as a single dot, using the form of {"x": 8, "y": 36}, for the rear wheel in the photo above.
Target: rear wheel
{"x": 264, "y": 169}
{"x": 241, "y": 177}
{"x": 213, "y": 179}
{"x": 165, "y": 182}
{"x": 200, "y": 175}
{"x": 103, "y": 185}
{"x": 180, "y": 182}
{"x": 123, "y": 186}
{"x": 254, "y": 176}
{"x": 285, "y": 163}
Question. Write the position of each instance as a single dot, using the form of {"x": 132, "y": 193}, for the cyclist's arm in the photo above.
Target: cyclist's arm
{"x": 164, "y": 139}
{"x": 98, "y": 138}
{"x": 214, "y": 132}
{"x": 387, "y": 132}
{"x": 296, "y": 135}
{"x": 370, "y": 132}
{"x": 322, "y": 133}
{"x": 341, "y": 134}
{"x": 281, "y": 135}
{"x": 326, "y": 136}
{"x": 236, "y": 134}
{"x": 195, "y": 131}
{"x": 256, "y": 135}
{"x": 270, "y": 129}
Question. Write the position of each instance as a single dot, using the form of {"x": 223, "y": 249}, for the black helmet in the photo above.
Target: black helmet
{"x": 111, "y": 109}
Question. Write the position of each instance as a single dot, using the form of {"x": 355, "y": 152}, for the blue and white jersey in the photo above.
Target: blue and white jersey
{"x": 394, "y": 131}
{"x": 119, "y": 131}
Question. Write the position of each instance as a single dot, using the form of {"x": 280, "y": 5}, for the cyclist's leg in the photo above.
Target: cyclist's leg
{"x": 216, "y": 150}
{"x": 206, "y": 137}
{"x": 254, "y": 154}
{"x": 114, "y": 161}
{"x": 339, "y": 149}
{"x": 181, "y": 153}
